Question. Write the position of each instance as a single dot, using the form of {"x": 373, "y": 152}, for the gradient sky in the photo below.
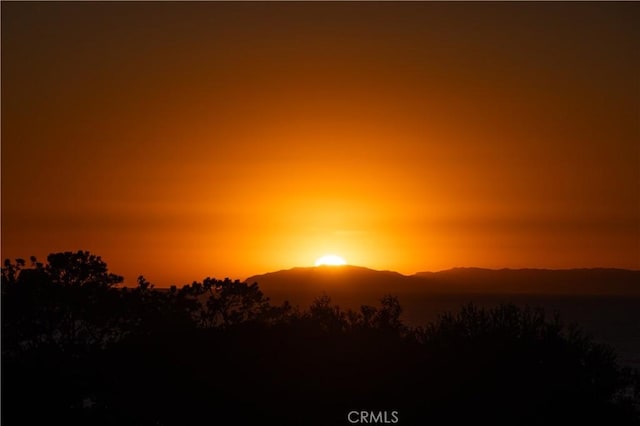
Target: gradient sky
{"x": 184, "y": 140}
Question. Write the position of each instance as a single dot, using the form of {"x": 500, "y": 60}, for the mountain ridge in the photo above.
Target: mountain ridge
{"x": 427, "y": 273}
{"x": 303, "y": 284}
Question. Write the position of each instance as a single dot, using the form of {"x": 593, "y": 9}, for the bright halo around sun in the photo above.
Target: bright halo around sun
{"x": 330, "y": 260}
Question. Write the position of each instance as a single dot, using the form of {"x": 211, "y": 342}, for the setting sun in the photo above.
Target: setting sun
{"x": 330, "y": 260}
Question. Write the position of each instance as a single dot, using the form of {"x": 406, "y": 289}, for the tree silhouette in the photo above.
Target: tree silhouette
{"x": 85, "y": 350}
{"x": 79, "y": 269}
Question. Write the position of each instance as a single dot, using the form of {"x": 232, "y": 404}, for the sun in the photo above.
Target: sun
{"x": 330, "y": 260}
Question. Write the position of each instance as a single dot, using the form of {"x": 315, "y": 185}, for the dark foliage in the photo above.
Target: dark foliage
{"x": 79, "y": 349}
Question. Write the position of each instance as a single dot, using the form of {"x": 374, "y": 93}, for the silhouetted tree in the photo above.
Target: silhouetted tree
{"x": 231, "y": 302}
{"x": 323, "y": 314}
{"x": 385, "y": 319}
{"x": 80, "y": 269}
{"x": 69, "y": 302}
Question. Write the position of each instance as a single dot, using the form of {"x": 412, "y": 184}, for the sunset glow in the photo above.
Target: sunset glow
{"x": 330, "y": 260}
{"x": 231, "y": 138}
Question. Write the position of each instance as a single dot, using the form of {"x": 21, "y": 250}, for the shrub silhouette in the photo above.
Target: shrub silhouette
{"x": 84, "y": 350}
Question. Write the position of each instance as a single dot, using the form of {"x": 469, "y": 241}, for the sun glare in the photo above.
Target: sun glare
{"x": 330, "y": 260}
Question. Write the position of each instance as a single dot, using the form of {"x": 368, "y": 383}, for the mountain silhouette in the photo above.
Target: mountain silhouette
{"x": 352, "y": 286}
{"x": 587, "y": 282}
{"x": 303, "y": 284}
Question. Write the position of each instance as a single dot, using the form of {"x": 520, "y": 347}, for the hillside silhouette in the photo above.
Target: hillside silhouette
{"x": 78, "y": 348}
{"x": 303, "y": 283}
{"x": 351, "y": 286}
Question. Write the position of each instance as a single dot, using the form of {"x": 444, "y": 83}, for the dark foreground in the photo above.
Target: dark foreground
{"x": 77, "y": 349}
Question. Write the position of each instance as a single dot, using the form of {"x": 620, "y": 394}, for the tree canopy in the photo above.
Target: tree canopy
{"x": 86, "y": 350}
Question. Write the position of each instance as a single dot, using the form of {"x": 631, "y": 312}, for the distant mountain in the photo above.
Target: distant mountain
{"x": 596, "y": 281}
{"x": 302, "y": 285}
{"x": 366, "y": 286}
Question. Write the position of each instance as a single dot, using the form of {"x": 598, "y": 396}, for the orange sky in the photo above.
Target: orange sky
{"x": 188, "y": 140}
